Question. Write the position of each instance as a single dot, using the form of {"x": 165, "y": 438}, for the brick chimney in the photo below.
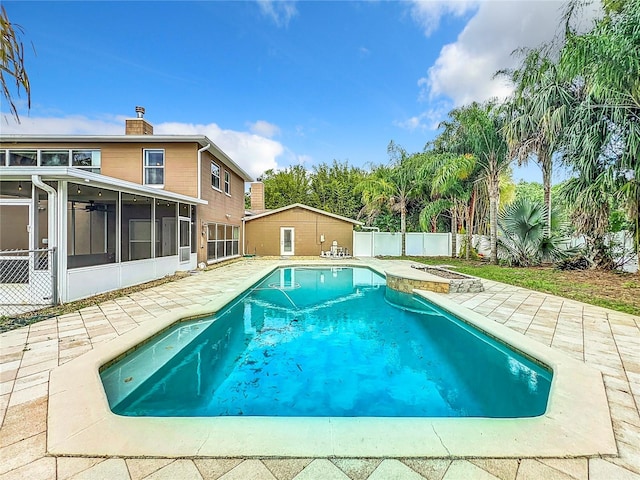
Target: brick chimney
{"x": 257, "y": 197}
{"x": 138, "y": 126}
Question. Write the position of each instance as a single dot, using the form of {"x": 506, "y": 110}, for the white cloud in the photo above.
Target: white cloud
{"x": 427, "y": 120}
{"x": 264, "y": 128}
{"x": 280, "y": 11}
{"x": 305, "y": 159}
{"x": 254, "y": 153}
{"x": 464, "y": 70}
{"x": 427, "y": 13}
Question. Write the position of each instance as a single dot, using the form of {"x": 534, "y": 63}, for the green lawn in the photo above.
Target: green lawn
{"x": 617, "y": 291}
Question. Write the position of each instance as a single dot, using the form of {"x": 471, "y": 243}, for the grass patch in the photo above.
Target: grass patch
{"x": 614, "y": 290}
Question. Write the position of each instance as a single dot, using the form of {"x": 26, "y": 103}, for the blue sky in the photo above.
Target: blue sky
{"x": 273, "y": 83}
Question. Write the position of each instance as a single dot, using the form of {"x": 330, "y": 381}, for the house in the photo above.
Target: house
{"x": 294, "y": 230}
{"x": 104, "y": 212}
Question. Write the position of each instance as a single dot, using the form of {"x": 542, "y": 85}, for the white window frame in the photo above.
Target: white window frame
{"x": 90, "y": 168}
{"x": 213, "y": 164}
{"x": 95, "y": 166}
{"x": 64, "y": 152}
{"x": 15, "y": 151}
{"x": 230, "y": 244}
{"x": 145, "y": 167}
{"x": 227, "y": 183}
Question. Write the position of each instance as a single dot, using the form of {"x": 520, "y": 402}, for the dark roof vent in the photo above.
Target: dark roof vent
{"x": 140, "y": 112}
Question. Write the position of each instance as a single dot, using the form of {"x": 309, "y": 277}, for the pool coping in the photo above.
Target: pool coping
{"x": 577, "y": 421}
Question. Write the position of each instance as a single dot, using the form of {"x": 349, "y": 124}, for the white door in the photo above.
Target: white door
{"x": 185, "y": 239}
{"x": 169, "y": 236}
{"x": 286, "y": 241}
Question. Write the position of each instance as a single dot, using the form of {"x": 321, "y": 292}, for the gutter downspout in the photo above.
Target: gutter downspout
{"x": 206, "y": 147}
{"x": 52, "y": 203}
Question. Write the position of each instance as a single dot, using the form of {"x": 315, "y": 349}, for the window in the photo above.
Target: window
{"x": 54, "y": 158}
{"x": 215, "y": 176}
{"x": 23, "y": 158}
{"x": 154, "y": 167}
{"x": 223, "y": 241}
{"x": 227, "y": 183}
{"x": 86, "y": 159}
{"x": 3, "y": 158}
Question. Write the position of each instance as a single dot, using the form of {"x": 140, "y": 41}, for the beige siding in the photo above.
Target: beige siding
{"x": 125, "y": 161}
{"x": 220, "y": 204}
{"x": 263, "y": 234}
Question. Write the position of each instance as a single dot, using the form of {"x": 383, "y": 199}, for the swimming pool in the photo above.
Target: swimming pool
{"x": 326, "y": 342}
{"x": 577, "y": 421}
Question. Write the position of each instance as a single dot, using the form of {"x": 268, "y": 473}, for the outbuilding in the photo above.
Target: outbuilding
{"x": 298, "y": 230}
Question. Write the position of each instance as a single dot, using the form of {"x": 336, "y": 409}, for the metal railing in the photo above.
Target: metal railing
{"x": 27, "y": 280}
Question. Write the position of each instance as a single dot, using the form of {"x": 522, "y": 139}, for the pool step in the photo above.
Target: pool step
{"x": 128, "y": 374}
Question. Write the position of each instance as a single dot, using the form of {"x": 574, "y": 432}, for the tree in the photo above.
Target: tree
{"x": 524, "y": 241}
{"x": 603, "y": 140}
{"x": 590, "y": 194}
{"x": 476, "y": 129}
{"x": 13, "y": 69}
{"x": 332, "y": 188}
{"x": 282, "y": 188}
{"x": 537, "y": 113}
{"x": 532, "y": 191}
{"x": 394, "y": 185}
{"x": 453, "y": 188}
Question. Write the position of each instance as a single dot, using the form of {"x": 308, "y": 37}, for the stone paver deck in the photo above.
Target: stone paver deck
{"x": 605, "y": 339}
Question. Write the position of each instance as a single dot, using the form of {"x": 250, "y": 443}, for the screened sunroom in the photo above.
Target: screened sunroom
{"x": 88, "y": 233}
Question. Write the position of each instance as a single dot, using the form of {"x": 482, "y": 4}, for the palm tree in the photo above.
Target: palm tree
{"x": 453, "y": 188}
{"x": 12, "y": 62}
{"x": 537, "y": 113}
{"x": 394, "y": 185}
{"x": 476, "y": 129}
{"x": 524, "y": 241}
{"x": 604, "y": 135}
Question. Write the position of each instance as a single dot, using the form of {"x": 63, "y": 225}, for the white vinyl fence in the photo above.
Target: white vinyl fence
{"x": 372, "y": 244}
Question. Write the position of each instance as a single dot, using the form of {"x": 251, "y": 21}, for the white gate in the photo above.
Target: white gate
{"x": 27, "y": 280}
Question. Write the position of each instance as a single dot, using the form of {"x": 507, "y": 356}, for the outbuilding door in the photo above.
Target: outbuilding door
{"x": 287, "y": 241}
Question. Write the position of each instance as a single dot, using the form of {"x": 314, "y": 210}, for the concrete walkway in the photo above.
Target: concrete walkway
{"x": 604, "y": 339}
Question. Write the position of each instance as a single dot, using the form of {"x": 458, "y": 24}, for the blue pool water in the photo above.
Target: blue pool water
{"x": 326, "y": 342}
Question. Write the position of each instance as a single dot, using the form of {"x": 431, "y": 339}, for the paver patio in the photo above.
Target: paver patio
{"x": 607, "y": 340}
